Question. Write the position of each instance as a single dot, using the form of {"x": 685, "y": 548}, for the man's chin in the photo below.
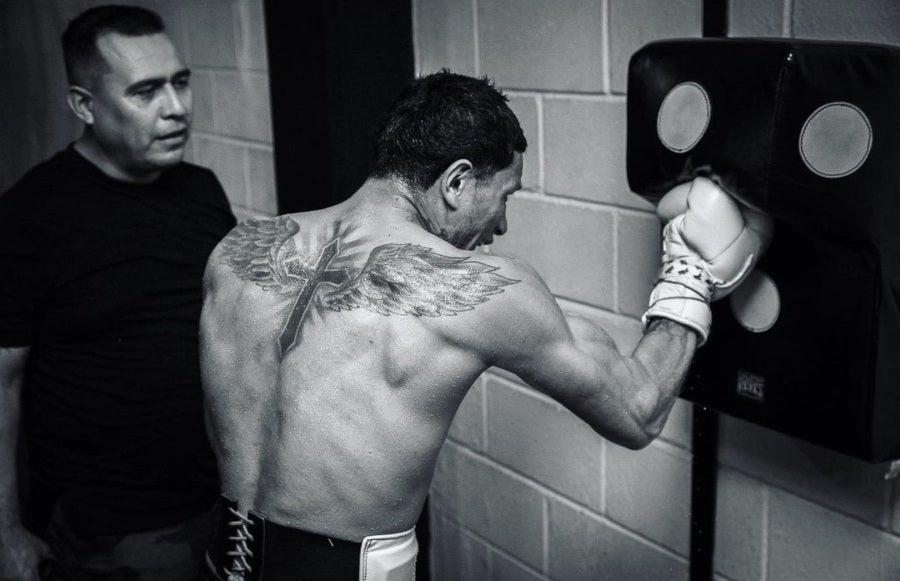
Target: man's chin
{"x": 168, "y": 158}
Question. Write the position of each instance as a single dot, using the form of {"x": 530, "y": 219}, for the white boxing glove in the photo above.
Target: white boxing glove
{"x": 710, "y": 245}
{"x": 712, "y": 216}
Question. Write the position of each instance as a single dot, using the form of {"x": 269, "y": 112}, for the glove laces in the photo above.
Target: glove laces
{"x": 689, "y": 272}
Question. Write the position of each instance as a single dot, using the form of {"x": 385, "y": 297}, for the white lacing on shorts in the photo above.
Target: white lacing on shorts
{"x": 240, "y": 534}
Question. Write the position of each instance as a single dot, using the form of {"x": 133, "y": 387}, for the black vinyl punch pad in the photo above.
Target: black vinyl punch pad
{"x": 808, "y": 132}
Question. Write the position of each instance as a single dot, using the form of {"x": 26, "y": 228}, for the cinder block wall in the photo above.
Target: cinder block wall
{"x": 224, "y": 44}
{"x": 222, "y": 41}
{"x": 523, "y": 489}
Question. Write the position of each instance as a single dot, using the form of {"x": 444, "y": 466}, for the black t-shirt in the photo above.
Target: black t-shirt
{"x": 102, "y": 279}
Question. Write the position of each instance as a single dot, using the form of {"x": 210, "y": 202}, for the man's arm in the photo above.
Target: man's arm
{"x": 20, "y": 552}
{"x": 12, "y": 370}
{"x": 647, "y": 381}
{"x": 624, "y": 398}
{"x": 707, "y": 251}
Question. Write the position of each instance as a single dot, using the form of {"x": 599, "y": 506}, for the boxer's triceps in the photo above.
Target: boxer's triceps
{"x": 394, "y": 279}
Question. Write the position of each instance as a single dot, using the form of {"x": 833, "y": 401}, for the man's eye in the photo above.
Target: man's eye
{"x": 146, "y": 93}
{"x": 181, "y": 83}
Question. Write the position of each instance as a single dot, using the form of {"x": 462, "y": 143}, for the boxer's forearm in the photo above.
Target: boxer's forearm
{"x": 663, "y": 355}
{"x": 635, "y": 393}
{"x": 624, "y": 398}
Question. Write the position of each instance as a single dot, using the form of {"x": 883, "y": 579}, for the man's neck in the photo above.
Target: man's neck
{"x": 92, "y": 151}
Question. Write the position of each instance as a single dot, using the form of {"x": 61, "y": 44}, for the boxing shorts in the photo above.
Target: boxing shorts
{"x": 248, "y": 547}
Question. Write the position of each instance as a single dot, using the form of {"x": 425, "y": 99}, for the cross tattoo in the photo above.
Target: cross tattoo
{"x": 290, "y": 334}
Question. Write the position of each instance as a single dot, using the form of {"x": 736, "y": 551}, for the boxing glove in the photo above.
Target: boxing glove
{"x": 708, "y": 249}
{"x": 709, "y": 209}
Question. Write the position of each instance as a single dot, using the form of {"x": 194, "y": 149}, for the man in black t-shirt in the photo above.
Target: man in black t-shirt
{"x": 102, "y": 251}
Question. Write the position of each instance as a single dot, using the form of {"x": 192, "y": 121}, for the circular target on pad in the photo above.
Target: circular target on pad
{"x": 756, "y": 304}
{"x": 683, "y": 117}
{"x": 835, "y": 140}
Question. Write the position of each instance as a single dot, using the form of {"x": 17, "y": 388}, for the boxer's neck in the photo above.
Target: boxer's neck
{"x": 385, "y": 201}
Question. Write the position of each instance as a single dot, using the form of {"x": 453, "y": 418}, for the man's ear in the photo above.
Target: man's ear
{"x": 457, "y": 180}
{"x": 81, "y": 102}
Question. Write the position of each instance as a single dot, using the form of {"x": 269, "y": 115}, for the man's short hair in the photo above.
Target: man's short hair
{"x": 441, "y": 118}
{"x": 79, "y": 41}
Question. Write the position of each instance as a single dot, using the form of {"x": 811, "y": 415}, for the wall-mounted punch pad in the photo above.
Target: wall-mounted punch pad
{"x": 808, "y": 132}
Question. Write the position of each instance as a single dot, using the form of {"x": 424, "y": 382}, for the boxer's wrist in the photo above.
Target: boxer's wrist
{"x": 670, "y": 301}
{"x": 663, "y": 324}
{"x": 682, "y": 294}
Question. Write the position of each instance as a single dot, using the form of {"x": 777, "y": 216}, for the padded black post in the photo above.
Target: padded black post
{"x": 704, "y": 487}
{"x": 705, "y": 424}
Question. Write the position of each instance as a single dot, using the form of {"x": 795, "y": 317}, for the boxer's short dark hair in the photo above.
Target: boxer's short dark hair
{"x": 441, "y": 118}
{"x": 79, "y": 41}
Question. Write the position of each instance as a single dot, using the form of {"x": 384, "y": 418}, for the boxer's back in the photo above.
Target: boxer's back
{"x": 337, "y": 346}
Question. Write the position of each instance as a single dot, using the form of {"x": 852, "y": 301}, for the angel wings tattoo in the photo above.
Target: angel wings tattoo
{"x": 396, "y": 279}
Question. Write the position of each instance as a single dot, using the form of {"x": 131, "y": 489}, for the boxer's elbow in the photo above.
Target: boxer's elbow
{"x": 631, "y": 433}
{"x": 641, "y": 401}
{"x": 630, "y": 422}
{"x": 642, "y": 429}
{"x": 635, "y": 440}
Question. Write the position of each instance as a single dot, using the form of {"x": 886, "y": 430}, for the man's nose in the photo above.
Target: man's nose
{"x": 175, "y": 102}
{"x": 501, "y": 227}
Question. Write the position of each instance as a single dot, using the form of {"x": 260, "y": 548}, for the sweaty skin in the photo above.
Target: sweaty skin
{"x": 337, "y": 345}
{"x": 334, "y": 360}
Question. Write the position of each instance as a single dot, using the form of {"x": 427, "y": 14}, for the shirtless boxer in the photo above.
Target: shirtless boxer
{"x": 338, "y": 344}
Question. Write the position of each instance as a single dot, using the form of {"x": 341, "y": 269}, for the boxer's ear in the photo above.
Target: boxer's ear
{"x": 457, "y": 181}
